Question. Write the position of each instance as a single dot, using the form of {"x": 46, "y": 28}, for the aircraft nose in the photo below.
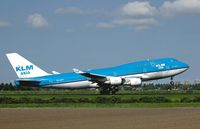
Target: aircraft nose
{"x": 185, "y": 65}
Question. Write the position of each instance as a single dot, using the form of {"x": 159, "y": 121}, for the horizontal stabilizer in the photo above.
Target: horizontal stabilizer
{"x": 54, "y": 72}
{"x": 27, "y": 82}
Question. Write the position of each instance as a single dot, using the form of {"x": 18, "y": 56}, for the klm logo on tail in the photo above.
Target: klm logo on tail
{"x": 24, "y": 70}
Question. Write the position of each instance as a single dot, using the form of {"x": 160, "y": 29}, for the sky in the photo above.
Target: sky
{"x": 64, "y": 34}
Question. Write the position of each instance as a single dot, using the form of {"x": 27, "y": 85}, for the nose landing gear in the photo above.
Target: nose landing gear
{"x": 172, "y": 82}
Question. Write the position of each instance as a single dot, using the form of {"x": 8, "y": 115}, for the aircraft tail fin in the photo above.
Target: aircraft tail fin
{"x": 23, "y": 67}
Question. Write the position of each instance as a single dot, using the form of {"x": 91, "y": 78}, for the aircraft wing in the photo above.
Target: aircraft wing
{"x": 94, "y": 77}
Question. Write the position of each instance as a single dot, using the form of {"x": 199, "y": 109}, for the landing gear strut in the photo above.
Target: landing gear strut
{"x": 172, "y": 82}
{"x": 106, "y": 90}
{"x": 114, "y": 89}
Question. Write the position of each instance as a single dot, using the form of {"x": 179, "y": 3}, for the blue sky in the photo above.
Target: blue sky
{"x": 64, "y": 34}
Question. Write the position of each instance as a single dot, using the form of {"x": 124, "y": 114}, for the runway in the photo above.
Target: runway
{"x": 100, "y": 118}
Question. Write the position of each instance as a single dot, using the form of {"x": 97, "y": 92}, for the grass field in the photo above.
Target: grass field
{"x": 91, "y": 99}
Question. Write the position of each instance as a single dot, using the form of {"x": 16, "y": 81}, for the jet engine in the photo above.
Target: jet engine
{"x": 132, "y": 82}
{"x": 114, "y": 81}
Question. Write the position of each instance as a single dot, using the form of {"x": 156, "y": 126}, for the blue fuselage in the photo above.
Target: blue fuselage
{"x": 146, "y": 70}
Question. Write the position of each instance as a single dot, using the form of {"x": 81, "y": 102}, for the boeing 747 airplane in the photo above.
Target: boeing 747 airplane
{"x": 106, "y": 79}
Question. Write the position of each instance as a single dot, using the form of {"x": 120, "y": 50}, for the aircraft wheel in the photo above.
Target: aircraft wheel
{"x": 108, "y": 90}
{"x": 114, "y": 90}
{"x": 172, "y": 83}
{"x": 104, "y": 91}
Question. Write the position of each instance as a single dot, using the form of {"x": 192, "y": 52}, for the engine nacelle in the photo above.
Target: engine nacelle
{"x": 114, "y": 81}
{"x": 132, "y": 82}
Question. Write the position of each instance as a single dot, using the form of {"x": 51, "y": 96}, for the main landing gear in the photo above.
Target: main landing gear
{"x": 106, "y": 90}
{"x": 172, "y": 82}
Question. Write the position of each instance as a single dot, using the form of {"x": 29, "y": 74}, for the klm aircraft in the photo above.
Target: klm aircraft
{"x": 106, "y": 79}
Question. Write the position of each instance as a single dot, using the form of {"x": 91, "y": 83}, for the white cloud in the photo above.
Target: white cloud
{"x": 180, "y": 7}
{"x": 137, "y": 23}
{"x": 139, "y": 15}
{"x": 138, "y": 9}
{"x": 4, "y": 24}
{"x": 37, "y": 21}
